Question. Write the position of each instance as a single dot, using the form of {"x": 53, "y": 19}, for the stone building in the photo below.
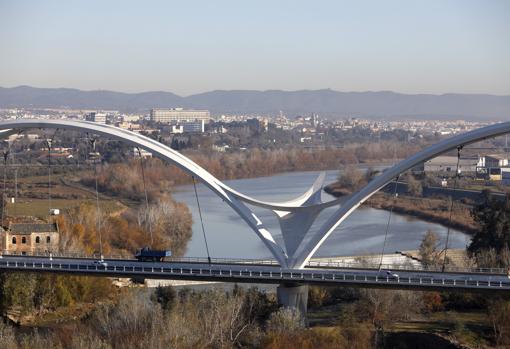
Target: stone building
{"x": 27, "y": 238}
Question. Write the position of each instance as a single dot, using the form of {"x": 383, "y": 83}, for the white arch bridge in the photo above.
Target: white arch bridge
{"x": 295, "y": 216}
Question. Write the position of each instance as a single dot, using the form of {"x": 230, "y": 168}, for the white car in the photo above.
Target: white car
{"x": 101, "y": 263}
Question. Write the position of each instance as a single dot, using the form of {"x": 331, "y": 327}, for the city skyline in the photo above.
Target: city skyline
{"x": 408, "y": 47}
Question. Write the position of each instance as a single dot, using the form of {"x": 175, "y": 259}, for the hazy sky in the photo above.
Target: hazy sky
{"x": 189, "y": 47}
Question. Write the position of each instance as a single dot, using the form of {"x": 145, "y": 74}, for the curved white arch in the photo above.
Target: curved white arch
{"x": 167, "y": 154}
{"x": 296, "y": 216}
{"x": 306, "y": 251}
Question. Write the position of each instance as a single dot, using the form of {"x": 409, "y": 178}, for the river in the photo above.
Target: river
{"x": 361, "y": 233}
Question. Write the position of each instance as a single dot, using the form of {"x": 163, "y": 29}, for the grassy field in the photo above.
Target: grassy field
{"x": 40, "y": 207}
{"x": 66, "y": 192}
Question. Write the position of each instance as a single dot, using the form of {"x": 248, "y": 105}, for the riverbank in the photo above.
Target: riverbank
{"x": 434, "y": 210}
{"x": 430, "y": 210}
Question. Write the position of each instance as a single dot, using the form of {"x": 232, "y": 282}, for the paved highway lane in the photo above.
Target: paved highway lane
{"x": 230, "y": 272}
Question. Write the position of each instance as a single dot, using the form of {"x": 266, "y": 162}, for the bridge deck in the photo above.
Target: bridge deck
{"x": 235, "y": 272}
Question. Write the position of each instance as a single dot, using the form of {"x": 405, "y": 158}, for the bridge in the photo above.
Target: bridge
{"x": 295, "y": 217}
{"x": 263, "y": 272}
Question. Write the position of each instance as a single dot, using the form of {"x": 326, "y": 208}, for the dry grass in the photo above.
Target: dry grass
{"x": 435, "y": 210}
{"x": 40, "y": 207}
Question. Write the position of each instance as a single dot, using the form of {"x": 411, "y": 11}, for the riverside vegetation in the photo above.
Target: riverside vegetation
{"x": 434, "y": 209}
{"x": 338, "y": 317}
{"x": 83, "y": 312}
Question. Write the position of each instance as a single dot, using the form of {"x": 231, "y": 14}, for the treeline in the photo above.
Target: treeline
{"x": 125, "y": 179}
{"x": 27, "y": 293}
{"x": 242, "y": 318}
{"x": 165, "y": 224}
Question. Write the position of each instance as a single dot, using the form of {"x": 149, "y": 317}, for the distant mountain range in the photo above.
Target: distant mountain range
{"x": 328, "y": 103}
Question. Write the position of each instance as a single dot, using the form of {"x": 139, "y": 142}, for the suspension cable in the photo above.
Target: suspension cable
{"x": 451, "y": 209}
{"x": 201, "y": 220}
{"x": 148, "y": 219}
{"x": 388, "y": 223}
{"x": 4, "y": 200}
{"x": 98, "y": 210}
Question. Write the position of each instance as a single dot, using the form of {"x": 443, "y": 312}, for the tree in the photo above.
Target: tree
{"x": 428, "y": 249}
{"x": 493, "y": 217}
{"x": 165, "y": 296}
{"x": 351, "y": 178}
{"x": 414, "y": 186}
{"x": 499, "y": 316}
{"x": 285, "y": 320}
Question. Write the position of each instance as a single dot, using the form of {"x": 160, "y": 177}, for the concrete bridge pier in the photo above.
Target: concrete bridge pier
{"x": 292, "y": 295}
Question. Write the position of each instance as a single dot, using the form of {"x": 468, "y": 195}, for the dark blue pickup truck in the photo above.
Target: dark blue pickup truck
{"x": 148, "y": 255}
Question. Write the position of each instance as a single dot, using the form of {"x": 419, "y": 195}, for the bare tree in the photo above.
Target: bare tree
{"x": 428, "y": 249}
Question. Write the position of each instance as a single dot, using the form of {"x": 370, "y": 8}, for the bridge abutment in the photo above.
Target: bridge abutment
{"x": 293, "y": 296}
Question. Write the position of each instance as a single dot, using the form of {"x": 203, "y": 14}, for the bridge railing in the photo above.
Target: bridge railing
{"x": 258, "y": 274}
{"x": 403, "y": 267}
{"x": 332, "y": 264}
{"x": 129, "y": 256}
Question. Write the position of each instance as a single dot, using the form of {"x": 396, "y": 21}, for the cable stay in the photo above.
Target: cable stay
{"x": 388, "y": 223}
{"x": 201, "y": 220}
{"x": 147, "y": 218}
{"x": 451, "y": 209}
{"x": 98, "y": 209}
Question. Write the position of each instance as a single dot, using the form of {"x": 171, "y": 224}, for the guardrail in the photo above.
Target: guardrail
{"x": 128, "y": 256}
{"x": 223, "y": 273}
{"x": 404, "y": 267}
{"x": 332, "y": 264}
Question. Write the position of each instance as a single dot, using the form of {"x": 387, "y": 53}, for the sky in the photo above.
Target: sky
{"x": 188, "y": 47}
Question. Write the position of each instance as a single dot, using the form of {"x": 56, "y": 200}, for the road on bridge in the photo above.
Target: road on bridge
{"x": 255, "y": 273}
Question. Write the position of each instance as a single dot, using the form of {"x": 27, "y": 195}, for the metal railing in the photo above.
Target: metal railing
{"x": 331, "y": 264}
{"x": 224, "y": 273}
{"x": 128, "y": 256}
{"x": 405, "y": 267}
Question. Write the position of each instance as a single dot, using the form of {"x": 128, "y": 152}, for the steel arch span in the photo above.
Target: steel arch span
{"x": 295, "y": 216}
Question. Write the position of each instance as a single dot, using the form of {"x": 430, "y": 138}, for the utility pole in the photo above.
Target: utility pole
{"x": 49, "y": 141}
{"x": 4, "y": 200}
{"x": 15, "y": 190}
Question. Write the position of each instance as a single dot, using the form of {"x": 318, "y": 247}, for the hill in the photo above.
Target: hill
{"x": 334, "y": 104}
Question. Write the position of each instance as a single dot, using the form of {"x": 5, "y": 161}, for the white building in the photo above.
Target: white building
{"x": 178, "y": 115}
{"x": 130, "y": 118}
{"x": 100, "y": 118}
{"x": 189, "y": 127}
{"x": 490, "y": 161}
{"x": 449, "y": 164}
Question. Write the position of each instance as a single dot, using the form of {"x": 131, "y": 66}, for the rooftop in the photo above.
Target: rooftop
{"x": 28, "y": 228}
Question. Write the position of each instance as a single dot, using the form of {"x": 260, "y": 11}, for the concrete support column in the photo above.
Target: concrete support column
{"x": 293, "y": 296}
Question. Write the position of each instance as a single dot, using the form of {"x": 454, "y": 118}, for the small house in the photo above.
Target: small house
{"x": 29, "y": 238}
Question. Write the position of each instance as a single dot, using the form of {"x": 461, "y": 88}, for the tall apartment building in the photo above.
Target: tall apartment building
{"x": 177, "y": 115}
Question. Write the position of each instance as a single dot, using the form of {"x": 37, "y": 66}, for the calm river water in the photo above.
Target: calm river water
{"x": 362, "y": 233}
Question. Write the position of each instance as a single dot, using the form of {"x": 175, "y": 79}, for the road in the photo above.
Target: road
{"x": 255, "y": 273}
